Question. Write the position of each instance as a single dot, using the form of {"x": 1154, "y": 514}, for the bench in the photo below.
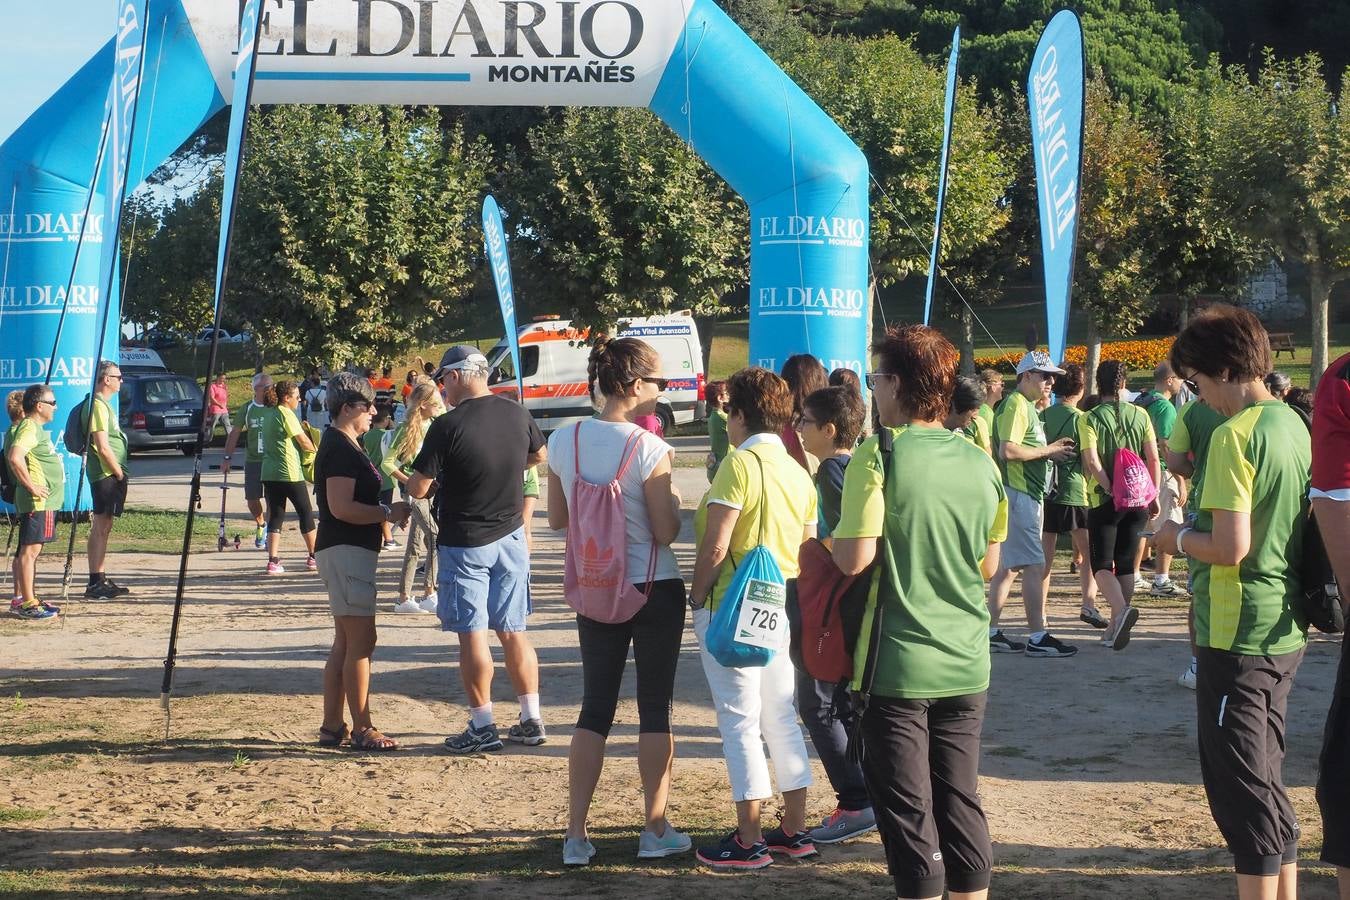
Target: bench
{"x": 1281, "y": 342}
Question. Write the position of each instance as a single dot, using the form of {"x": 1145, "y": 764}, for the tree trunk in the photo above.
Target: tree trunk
{"x": 1185, "y": 314}
{"x": 704, "y": 326}
{"x": 1319, "y": 304}
{"x": 1094, "y": 355}
{"x": 967, "y": 341}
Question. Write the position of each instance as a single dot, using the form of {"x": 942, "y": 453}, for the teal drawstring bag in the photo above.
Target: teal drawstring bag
{"x": 750, "y": 625}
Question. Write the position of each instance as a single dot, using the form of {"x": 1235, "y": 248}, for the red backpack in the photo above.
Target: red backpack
{"x": 825, "y": 610}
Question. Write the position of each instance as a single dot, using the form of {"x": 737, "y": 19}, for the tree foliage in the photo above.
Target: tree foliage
{"x": 1279, "y": 165}
{"x": 1122, "y": 203}
{"x": 625, "y": 219}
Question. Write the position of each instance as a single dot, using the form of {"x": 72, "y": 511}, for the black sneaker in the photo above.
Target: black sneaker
{"x": 99, "y": 590}
{"x": 116, "y": 589}
{"x": 1001, "y": 644}
{"x": 475, "y": 740}
{"x": 1091, "y": 616}
{"x": 730, "y": 853}
{"x": 797, "y": 846}
{"x": 1122, "y": 637}
{"x": 1049, "y": 647}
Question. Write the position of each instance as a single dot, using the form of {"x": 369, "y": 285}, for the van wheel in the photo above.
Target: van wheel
{"x": 667, "y": 417}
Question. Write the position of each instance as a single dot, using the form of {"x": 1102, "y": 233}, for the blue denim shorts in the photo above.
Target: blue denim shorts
{"x": 484, "y": 587}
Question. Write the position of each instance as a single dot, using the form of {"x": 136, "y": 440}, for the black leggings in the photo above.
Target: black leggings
{"x": 1113, "y": 538}
{"x": 655, "y": 633}
{"x": 297, "y": 492}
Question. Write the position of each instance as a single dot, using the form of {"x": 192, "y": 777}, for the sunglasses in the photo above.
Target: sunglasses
{"x": 1191, "y": 385}
{"x": 661, "y": 383}
{"x": 51, "y": 403}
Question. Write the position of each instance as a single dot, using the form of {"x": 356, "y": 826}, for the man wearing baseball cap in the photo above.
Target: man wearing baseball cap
{"x": 477, "y": 453}
{"x": 1019, "y": 445}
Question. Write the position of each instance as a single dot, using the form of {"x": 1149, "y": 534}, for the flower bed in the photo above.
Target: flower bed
{"x": 1138, "y": 354}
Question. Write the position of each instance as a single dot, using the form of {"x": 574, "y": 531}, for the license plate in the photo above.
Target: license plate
{"x": 175, "y": 421}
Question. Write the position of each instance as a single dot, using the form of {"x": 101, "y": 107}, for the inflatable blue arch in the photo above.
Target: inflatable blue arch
{"x": 804, "y": 181}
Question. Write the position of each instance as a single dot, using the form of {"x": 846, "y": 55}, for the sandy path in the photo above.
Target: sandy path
{"x": 1090, "y": 778}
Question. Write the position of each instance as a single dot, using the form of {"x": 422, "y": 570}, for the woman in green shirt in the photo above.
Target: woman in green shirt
{"x": 924, "y": 647}
{"x": 717, "y": 426}
{"x": 282, "y": 475}
{"x": 39, "y": 489}
{"x": 1245, "y": 550}
{"x": 1066, "y": 507}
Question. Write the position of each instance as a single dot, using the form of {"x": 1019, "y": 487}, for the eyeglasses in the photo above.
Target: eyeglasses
{"x": 118, "y": 376}
{"x": 803, "y": 421}
{"x": 365, "y": 405}
{"x": 873, "y": 376}
{"x": 51, "y": 403}
{"x": 661, "y": 383}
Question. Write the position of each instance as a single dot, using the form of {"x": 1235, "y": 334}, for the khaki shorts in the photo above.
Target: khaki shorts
{"x": 1170, "y": 510}
{"x": 349, "y": 574}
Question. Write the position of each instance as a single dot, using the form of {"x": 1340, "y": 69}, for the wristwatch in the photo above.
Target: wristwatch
{"x": 1180, "y": 535}
{"x": 388, "y": 510}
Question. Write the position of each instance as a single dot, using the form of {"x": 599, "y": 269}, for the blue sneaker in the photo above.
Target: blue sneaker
{"x": 475, "y": 740}
{"x": 797, "y": 846}
{"x": 38, "y": 612}
{"x": 730, "y": 853}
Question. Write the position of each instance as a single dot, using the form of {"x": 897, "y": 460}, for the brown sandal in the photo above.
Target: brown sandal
{"x": 334, "y": 737}
{"x": 370, "y": 739}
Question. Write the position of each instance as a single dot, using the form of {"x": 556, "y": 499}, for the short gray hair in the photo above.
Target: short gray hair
{"x": 344, "y": 388}
{"x": 260, "y": 379}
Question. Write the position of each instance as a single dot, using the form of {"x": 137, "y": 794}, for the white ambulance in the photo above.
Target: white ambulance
{"x": 553, "y": 358}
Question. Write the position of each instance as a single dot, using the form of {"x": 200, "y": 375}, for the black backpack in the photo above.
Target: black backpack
{"x": 75, "y": 438}
{"x": 1320, "y": 595}
{"x": 7, "y": 483}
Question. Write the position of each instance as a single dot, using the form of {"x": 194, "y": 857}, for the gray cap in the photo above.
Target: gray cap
{"x": 461, "y": 357}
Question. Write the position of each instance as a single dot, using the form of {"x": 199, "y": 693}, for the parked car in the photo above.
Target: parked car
{"x": 159, "y": 339}
{"x": 160, "y": 411}
{"x": 140, "y": 361}
{"x": 203, "y": 338}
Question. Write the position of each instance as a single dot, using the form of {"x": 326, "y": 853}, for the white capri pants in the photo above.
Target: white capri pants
{"x": 756, "y": 706}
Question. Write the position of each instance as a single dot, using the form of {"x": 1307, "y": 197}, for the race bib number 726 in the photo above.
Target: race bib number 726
{"x": 763, "y": 618}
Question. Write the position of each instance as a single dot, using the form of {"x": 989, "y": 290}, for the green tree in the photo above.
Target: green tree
{"x": 1123, "y": 199}
{"x": 890, "y": 102}
{"x": 1201, "y": 249}
{"x": 357, "y": 230}
{"x": 1280, "y": 165}
{"x": 624, "y": 218}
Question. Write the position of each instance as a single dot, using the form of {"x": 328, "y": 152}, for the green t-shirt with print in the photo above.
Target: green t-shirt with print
{"x": 250, "y": 419}
{"x": 1194, "y": 427}
{"x": 281, "y": 455}
{"x": 372, "y": 443}
{"x": 936, "y": 528}
{"x": 977, "y": 432}
{"x": 1018, "y": 423}
{"x": 43, "y": 463}
{"x": 531, "y": 486}
{"x": 104, "y": 419}
{"x": 1106, "y": 428}
{"x": 1259, "y": 462}
{"x": 1061, "y": 421}
{"x": 986, "y": 413}
{"x": 1163, "y": 415}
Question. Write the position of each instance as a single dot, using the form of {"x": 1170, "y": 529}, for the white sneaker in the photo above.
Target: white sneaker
{"x": 672, "y": 843}
{"x": 1187, "y": 678}
{"x": 428, "y": 603}
{"x": 577, "y": 851}
{"x": 408, "y": 606}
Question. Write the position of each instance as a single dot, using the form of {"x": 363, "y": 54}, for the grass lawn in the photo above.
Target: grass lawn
{"x": 146, "y": 531}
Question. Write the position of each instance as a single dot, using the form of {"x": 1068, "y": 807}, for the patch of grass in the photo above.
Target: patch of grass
{"x": 20, "y": 814}
{"x": 29, "y": 882}
{"x": 1006, "y": 750}
{"x": 240, "y": 760}
{"x": 18, "y": 704}
{"x": 140, "y": 531}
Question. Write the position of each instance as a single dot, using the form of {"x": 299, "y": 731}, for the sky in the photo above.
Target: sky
{"x": 43, "y": 43}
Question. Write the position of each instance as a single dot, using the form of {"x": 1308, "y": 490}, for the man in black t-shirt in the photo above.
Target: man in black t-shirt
{"x": 477, "y": 453}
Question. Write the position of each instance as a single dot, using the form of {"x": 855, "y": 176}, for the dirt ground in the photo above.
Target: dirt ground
{"x": 1090, "y": 777}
